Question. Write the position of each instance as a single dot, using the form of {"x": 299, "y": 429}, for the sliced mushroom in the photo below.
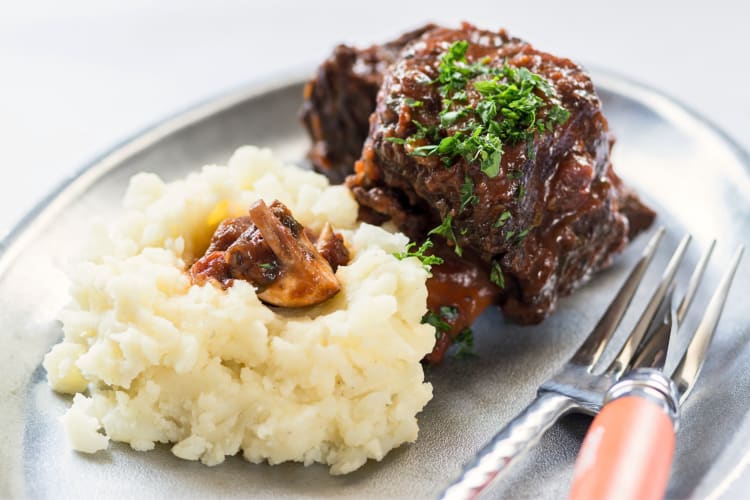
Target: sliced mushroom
{"x": 331, "y": 246}
{"x": 274, "y": 252}
{"x": 250, "y": 258}
{"x": 305, "y": 278}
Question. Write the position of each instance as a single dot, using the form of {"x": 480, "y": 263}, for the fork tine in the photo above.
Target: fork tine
{"x": 691, "y": 363}
{"x": 620, "y": 363}
{"x": 652, "y": 352}
{"x": 591, "y": 350}
{"x": 666, "y": 315}
{"x": 695, "y": 281}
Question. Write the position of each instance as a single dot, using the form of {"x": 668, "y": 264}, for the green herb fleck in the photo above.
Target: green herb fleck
{"x": 465, "y": 342}
{"x": 442, "y": 319}
{"x": 396, "y": 140}
{"x": 496, "y": 274}
{"x": 468, "y": 197}
{"x": 459, "y": 96}
{"x": 449, "y": 118}
{"x": 421, "y": 128}
{"x": 423, "y": 132}
{"x": 266, "y": 266}
{"x": 424, "y": 151}
{"x": 445, "y": 229}
{"x": 523, "y": 234}
{"x": 557, "y": 116}
{"x": 454, "y": 71}
{"x": 530, "y": 151}
{"x": 413, "y": 103}
{"x": 437, "y": 322}
{"x": 479, "y": 146}
{"x": 420, "y": 253}
{"x": 503, "y": 219}
{"x": 450, "y": 313}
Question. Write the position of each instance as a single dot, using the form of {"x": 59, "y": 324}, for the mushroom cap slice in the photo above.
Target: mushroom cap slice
{"x": 305, "y": 277}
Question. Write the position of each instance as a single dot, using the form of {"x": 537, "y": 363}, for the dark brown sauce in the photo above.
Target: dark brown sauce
{"x": 461, "y": 283}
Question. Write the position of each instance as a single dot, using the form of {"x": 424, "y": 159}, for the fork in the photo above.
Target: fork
{"x": 579, "y": 387}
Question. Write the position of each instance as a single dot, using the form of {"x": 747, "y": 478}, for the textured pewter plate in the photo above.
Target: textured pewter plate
{"x": 696, "y": 178}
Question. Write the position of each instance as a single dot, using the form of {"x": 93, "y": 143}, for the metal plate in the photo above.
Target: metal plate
{"x": 695, "y": 176}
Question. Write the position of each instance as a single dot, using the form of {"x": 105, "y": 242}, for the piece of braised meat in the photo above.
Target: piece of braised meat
{"x": 272, "y": 251}
{"x": 502, "y": 150}
{"x": 339, "y": 100}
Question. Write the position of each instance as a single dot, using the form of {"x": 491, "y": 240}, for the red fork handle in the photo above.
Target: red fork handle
{"x": 627, "y": 452}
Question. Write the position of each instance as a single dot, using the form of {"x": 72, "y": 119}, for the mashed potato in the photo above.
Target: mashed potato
{"x": 153, "y": 358}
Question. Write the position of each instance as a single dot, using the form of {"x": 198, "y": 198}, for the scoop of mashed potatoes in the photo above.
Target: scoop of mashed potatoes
{"x": 152, "y": 358}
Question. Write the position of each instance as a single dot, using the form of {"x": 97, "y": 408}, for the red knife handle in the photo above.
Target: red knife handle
{"x": 627, "y": 453}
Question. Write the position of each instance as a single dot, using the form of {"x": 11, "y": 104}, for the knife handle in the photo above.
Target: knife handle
{"x": 627, "y": 452}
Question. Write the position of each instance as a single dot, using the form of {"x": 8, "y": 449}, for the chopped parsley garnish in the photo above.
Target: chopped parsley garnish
{"x": 442, "y": 319}
{"x": 512, "y": 101}
{"x": 454, "y": 69}
{"x": 523, "y": 234}
{"x": 266, "y": 266}
{"x": 515, "y": 105}
{"x": 413, "y": 103}
{"x": 450, "y": 313}
{"x": 459, "y": 96}
{"x": 511, "y": 92}
{"x": 503, "y": 219}
{"x": 420, "y": 253}
{"x": 467, "y": 194}
{"x": 449, "y": 118}
{"x": 517, "y": 235}
{"x": 423, "y": 132}
{"x": 445, "y": 229}
{"x": 557, "y": 116}
{"x": 496, "y": 274}
{"x": 465, "y": 342}
{"x": 478, "y": 146}
{"x": 437, "y": 322}
{"x": 424, "y": 151}
{"x": 429, "y": 133}
{"x": 396, "y": 140}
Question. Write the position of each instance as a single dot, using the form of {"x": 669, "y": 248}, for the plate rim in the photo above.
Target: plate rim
{"x": 37, "y": 217}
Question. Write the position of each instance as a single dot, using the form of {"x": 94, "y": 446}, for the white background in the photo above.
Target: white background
{"x": 78, "y": 76}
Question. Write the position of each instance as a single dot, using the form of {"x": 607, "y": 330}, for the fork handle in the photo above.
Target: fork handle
{"x": 627, "y": 453}
{"x": 513, "y": 440}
